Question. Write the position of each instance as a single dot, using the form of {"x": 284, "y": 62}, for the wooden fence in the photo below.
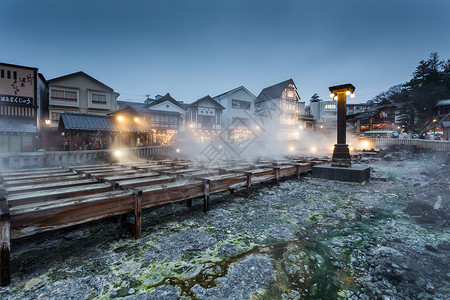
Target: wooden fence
{"x": 64, "y": 158}
{"x": 428, "y": 144}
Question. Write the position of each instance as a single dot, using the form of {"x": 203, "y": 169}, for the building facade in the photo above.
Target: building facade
{"x": 324, "y": 112}
{"x": 204, "y": 118}
{"x": 377, "y": 118}
{"x": 22, "y": 89}
{"x": 280, "y": 106}
{"x": 238, "y": 113}
{"x": 78, "y": 93}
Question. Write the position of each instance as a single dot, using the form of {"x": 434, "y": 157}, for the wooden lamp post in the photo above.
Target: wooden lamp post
{"x": 341, "y": 154}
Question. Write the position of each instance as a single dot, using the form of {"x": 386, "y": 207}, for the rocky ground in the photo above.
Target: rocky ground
{"x": 309, "y": 239}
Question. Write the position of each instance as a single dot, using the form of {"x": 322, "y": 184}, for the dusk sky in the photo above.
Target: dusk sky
{"x": 196, "y": 48}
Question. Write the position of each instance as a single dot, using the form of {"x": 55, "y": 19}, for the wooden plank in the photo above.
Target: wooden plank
{"x": 59, "y": 193}
{"x": 172, "y": 192}
{"x": 138, "y": 174}
{"x": 38, "y": 176}
{"x": 134, "y": 183}
{"x": 91, "y": 167}
{"x": 29, "y": 171}
{"x": 72, "y": 213}
{"x": 45, "y": 186}
{"x": 5, "y": 239}
{"x": 43, "y": 180}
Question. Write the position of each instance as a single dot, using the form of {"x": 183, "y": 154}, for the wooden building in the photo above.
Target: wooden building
{"x": 164, "y": 115}
{"x": 280, "y": 105}
{"x": 79, "y": 93}
{"x": 22, "y": 89}
{"x": 204, "y": 118}
{"x": 377, "y": 118}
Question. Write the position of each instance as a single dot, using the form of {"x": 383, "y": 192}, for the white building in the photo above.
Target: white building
{"x": 239, "y": 104}
{"x": 324, "y": 112}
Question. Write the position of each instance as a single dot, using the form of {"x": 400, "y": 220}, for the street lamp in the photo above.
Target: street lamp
{"x": 341, "y": 154}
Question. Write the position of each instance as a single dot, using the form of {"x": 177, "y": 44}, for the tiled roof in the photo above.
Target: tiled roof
{"x": 90, "y": 122}
{"x": 167, "y": 97}
{"x": 273, "y": 91}
{"x": 207, "y": 98}
{"x": 17, "y": 125}
{"x": 443, "y": 102}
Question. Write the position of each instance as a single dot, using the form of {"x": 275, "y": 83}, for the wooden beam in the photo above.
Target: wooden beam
{"x": 5, "y": 249}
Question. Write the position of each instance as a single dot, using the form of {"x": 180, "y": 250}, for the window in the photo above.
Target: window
{"x": 8, "y": 74}
{"x": 240, "y": 104}
{"x": 61, "y": 95}
{"x": 14, "y": 75}
{"x": 55, "y": 116}
{"x": 98, "y": 99}
{"x": 3, "y": 73}
{"x": 290, "y": 94}
{"x": 330, "y": 106}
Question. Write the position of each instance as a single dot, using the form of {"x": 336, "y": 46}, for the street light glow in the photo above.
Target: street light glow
{"x": 120, "y": 118}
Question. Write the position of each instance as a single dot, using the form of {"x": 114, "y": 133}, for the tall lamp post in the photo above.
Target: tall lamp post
{"x": 341, "y": 154}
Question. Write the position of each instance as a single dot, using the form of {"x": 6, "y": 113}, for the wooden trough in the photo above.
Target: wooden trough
{"x": 39, "y": 200}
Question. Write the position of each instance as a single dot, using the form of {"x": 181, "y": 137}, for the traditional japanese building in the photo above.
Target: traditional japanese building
{"x": 78, "y": 93}
{"x": 237, "y": 117}
{"x": 167, "y": 118}
{"x": 280, "y": 105}
{"x": 204, "y": 118}
{"x": 22, "y": 98}
{"x": 165, "y": 115}
{"x": 377, "y": 118}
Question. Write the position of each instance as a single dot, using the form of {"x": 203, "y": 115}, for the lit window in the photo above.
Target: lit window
{"x": 290, "y": 94}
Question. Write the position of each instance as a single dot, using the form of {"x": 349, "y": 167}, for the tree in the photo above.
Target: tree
{"x": 315, "y": 98}
{"x": 407, "y": 117}
{"x": 396, "y": 94}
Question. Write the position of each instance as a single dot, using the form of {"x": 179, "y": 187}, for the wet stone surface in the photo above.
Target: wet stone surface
{"x": 309, "y": 239}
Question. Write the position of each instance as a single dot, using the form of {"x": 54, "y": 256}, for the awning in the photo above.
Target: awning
{"x": 90, "y": 122}
{"x": 17, "y": 125}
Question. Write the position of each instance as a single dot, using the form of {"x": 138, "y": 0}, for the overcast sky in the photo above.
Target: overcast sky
{"x": 206, "y": 47}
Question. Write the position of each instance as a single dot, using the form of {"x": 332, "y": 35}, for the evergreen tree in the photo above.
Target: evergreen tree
{"x": 315, "y": 98}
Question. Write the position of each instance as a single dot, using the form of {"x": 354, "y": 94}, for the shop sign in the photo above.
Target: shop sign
{"x": 16, "y": 100}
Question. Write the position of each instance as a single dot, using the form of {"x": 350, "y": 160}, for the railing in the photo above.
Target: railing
{"x": 64, "y": 158}
{"x": 428, "y": 144}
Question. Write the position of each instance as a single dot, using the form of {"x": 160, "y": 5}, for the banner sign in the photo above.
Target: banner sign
{"x": 202, "y": 111}
{"x": 16, "y": 100}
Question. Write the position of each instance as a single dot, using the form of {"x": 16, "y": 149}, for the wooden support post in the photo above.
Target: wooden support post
{"x": 5, "y": 247}
{"x": 297, "y": 169}
{"x": 137, "y": 213}
{"x": 206, "y": 196}
{"x": 277, "y": 175}
{"x": 249, "y": 184}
